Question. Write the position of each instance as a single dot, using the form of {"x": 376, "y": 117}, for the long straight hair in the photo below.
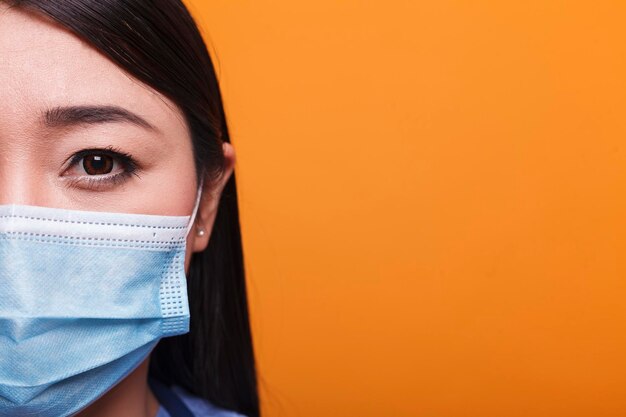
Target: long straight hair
{"x": 158, "y": 42}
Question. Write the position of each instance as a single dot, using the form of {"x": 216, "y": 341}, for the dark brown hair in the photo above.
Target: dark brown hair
{"x": 158, "y": 42}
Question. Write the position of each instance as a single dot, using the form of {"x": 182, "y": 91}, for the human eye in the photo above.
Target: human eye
{"x": 99, "y": 169}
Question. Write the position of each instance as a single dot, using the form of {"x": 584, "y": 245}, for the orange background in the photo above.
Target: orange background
{"x": 432, "y": 198}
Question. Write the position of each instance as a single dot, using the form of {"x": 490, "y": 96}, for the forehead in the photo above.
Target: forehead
{"x": 43, "y": 65}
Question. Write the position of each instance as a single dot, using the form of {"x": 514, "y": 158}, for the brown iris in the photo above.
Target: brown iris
{"x": 97, "y": 164}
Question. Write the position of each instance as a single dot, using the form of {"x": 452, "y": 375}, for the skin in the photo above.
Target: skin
{"x": 42, "y": 66}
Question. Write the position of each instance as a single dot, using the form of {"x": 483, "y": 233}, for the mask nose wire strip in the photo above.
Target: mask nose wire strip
{"x": 195, "y": 207}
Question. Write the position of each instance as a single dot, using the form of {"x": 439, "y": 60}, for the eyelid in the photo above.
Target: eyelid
{"x": 111, "y": 151}
{"x": 95, "y": 182}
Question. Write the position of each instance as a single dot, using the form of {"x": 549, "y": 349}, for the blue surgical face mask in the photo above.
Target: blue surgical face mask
{"x": 84, "y": 298}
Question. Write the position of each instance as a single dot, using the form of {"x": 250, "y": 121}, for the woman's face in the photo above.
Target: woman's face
{"x": 77, "y": 132}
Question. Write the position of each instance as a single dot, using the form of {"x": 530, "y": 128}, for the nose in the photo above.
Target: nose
{"x": 21, "y": 182}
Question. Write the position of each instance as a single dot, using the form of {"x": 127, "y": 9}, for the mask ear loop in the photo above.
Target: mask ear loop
{"x": 195, "y": 207}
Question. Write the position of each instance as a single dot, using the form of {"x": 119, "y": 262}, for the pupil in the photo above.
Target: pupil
{"x": 98, "y": 164}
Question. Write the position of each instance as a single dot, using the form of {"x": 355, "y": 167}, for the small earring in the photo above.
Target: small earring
{"x": 200, "y": 232}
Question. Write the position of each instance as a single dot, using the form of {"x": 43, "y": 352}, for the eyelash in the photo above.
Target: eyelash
{"x": 129, "y": 165}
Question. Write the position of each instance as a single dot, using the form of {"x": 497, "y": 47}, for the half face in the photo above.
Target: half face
{"x": 78, "y": 132}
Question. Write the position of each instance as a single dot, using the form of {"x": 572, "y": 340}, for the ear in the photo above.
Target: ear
{"x": 209, "y": 201}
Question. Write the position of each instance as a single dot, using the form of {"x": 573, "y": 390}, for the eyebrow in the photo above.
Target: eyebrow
{"x": 92, "y": 115}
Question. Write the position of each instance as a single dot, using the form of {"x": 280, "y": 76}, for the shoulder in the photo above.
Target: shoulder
{"x": 201, "y": 407}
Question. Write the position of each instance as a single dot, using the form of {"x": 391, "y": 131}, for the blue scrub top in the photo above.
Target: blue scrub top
{"x": 198, "y": 407}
